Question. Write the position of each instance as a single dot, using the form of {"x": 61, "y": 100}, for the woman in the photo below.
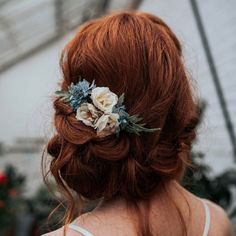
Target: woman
{"x": 125, "y": 119}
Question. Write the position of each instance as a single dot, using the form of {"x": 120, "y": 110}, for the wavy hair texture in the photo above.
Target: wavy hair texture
{"x": 136, "y": 54}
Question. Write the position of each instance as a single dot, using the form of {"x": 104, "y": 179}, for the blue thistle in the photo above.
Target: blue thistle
{"x": 77, "y": 93}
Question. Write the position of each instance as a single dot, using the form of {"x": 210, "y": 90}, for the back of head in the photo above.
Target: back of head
{"x": 136, "y": 54}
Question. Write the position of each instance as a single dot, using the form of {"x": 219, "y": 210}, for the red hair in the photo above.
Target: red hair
{"x": 136, "y": 54}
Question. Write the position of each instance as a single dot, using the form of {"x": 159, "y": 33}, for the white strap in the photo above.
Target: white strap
{"x": 207, "y": 219}
{"x": 80, "y": 230}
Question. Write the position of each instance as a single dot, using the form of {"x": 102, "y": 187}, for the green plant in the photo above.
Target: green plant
{"x": 11, "y": 201}
{"x": 40, "y": 206}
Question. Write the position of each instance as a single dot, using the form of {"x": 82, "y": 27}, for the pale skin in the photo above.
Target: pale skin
{"x": 113, "y": 218}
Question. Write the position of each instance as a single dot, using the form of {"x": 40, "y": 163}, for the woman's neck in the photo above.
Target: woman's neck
{"x": 171, "y": 190}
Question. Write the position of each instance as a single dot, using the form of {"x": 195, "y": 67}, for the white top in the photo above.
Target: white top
{"x": 84, "y": 232}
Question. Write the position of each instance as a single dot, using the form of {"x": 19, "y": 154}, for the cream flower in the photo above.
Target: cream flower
{"x": 107, "y": 124}
{"x": 88, "y": 114}
{"x": 104, "y": 99}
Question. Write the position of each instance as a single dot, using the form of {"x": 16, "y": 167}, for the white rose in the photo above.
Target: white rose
{"x": 104, "y": 99}
{"x": 88, "y": 114}
{"x": 107, "y": 124}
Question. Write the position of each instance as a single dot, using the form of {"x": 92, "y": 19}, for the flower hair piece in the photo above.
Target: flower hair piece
{"x": 101, "y": 109}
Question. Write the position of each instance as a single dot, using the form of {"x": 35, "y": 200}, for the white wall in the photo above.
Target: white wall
{"x": 25, "y": 94}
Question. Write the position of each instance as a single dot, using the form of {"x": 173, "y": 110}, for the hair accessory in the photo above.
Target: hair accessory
{"x": 101, "y": 109}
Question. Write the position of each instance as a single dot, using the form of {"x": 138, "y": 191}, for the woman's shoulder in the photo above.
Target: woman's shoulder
{"x": 85, "y": 221}
{"x": 220, "y": 222}
{"x": 59, "y": 232}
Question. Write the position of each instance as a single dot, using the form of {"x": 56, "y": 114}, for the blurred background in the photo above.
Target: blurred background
{"x": 32, "y": 35}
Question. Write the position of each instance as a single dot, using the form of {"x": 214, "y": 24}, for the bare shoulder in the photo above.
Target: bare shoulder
{"x": 220, "y": 223}
{"x": 60, "y": 231}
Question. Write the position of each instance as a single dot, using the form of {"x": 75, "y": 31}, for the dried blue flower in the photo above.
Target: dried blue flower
{"x": 77, "y": 93}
